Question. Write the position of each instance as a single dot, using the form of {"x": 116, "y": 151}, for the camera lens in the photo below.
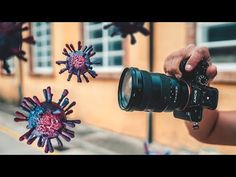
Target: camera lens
{"x": 143, "y": 91}
{"x": 126, "y": 89}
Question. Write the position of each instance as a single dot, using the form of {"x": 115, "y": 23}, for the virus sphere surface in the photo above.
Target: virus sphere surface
{"x": 47, "y": 120}
{"x": 78, "y": 62}
{"x": 11, "y": 42}
{"x": 127, "y": 28}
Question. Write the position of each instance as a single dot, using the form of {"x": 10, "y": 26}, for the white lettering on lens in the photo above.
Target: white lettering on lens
{"x": 195, "y": 96}
{"x": 176, "y": 92}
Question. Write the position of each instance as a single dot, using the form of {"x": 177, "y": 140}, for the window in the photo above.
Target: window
{"x": 220, "y": 38}
{"x": 109, "y": 50}
{"x": 42, "y": 63}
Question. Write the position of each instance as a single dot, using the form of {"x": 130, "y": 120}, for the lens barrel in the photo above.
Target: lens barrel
{"x": 143, "y": 91}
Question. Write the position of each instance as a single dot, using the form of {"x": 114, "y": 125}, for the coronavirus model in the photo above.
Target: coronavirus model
{"x": 47, "y": 120}
{"x": 127, "y": 28}
{"x": 11, "y": 42}
{"x": 78, "y": 62}
{"x": 161, "y": 151}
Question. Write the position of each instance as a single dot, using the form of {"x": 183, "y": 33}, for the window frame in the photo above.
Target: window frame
{"x": 105, "y": 54}
{"x": 201, "y": 35}
{"x": 34, "y": 68}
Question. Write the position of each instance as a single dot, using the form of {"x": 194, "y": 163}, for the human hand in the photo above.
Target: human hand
{"x": 194, "y": 55}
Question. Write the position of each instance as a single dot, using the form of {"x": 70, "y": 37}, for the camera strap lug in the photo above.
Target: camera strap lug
{"x": 195, "y": 125}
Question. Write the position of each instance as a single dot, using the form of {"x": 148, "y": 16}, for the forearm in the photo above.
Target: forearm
{"x": 216, "y": 128}
{"x": 206, "y": 126}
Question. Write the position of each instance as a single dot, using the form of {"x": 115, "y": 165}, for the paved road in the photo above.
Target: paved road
{"x": 89, "y": 140}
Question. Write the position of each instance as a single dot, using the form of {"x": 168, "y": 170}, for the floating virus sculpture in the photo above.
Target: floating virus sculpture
{"x": 159, "y": 152}
{"x": 47, "y": 120}
{"x": 128, "y": 28}
{"x": 11, "y": 42}
{"x": 78, "y": 62}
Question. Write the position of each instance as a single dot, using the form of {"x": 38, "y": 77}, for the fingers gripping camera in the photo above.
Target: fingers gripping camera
{"x": 154, "y": 92}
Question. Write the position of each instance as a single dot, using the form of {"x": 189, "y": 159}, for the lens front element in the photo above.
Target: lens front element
{"x": 126, "y": 89}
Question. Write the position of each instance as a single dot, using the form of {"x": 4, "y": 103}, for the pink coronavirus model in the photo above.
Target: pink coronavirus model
{"x": 78, "y": 62}
{"x": 11, "y": 42}
{"x": 47, "y": 120}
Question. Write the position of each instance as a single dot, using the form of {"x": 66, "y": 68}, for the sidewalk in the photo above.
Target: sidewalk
{"x": 88, "y": 140}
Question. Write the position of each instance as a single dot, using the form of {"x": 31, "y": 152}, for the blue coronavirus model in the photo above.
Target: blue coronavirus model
{"x": 128, "y": 28}
{"x": 78, "y": 62}
{"x": 11, "y": 42}
{"x": 47, "y": 120}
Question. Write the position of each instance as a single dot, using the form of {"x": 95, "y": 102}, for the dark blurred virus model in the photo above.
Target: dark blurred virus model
{"x": 47, "y": 120}
{"x": 128, "y": 28}
{"x": 11, "y": 42}
{"x": 78, "y": 62}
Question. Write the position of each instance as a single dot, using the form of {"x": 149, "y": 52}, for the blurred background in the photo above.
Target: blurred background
{"x": 116, "y": 131}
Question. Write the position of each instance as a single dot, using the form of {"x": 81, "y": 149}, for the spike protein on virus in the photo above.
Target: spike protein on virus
{"x": 127, "y": 28}
{"x": 78, "y": 62}
{"x": 47, "y": 120}
{"x": 11, "y": 42}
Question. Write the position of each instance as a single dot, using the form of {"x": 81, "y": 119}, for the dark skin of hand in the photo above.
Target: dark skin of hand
{"x": 216, "y": 127}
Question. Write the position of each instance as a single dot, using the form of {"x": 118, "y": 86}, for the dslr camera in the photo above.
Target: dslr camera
{"x": 186, "y": 97}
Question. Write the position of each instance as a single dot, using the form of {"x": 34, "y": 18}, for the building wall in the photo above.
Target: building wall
{"x": 9, "y": 90}
{"x": 97, "y": 100}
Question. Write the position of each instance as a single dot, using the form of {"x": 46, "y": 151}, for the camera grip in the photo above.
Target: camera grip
{"x": 193, "y": 115}
{"x": 197, "y": 75}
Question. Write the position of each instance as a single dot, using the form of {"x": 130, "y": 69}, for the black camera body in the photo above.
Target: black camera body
{"x": 186, "y": 97}
{"x": 200, "y": 94}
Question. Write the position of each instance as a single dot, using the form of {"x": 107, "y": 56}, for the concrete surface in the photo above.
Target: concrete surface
{"x": 88, "y": 140}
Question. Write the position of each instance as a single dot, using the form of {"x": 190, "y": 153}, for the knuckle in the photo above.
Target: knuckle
{"x": 203, "y": 51}
{"x": 200, "y": 50}
{"x": 191, "y": 46}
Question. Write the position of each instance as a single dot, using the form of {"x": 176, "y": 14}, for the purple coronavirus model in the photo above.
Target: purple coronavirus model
{"x": 11, "y": 42}
{"x": 47, "y": 120}
{"x": 78, "y": 62}
{"x": 128, "y": 28}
